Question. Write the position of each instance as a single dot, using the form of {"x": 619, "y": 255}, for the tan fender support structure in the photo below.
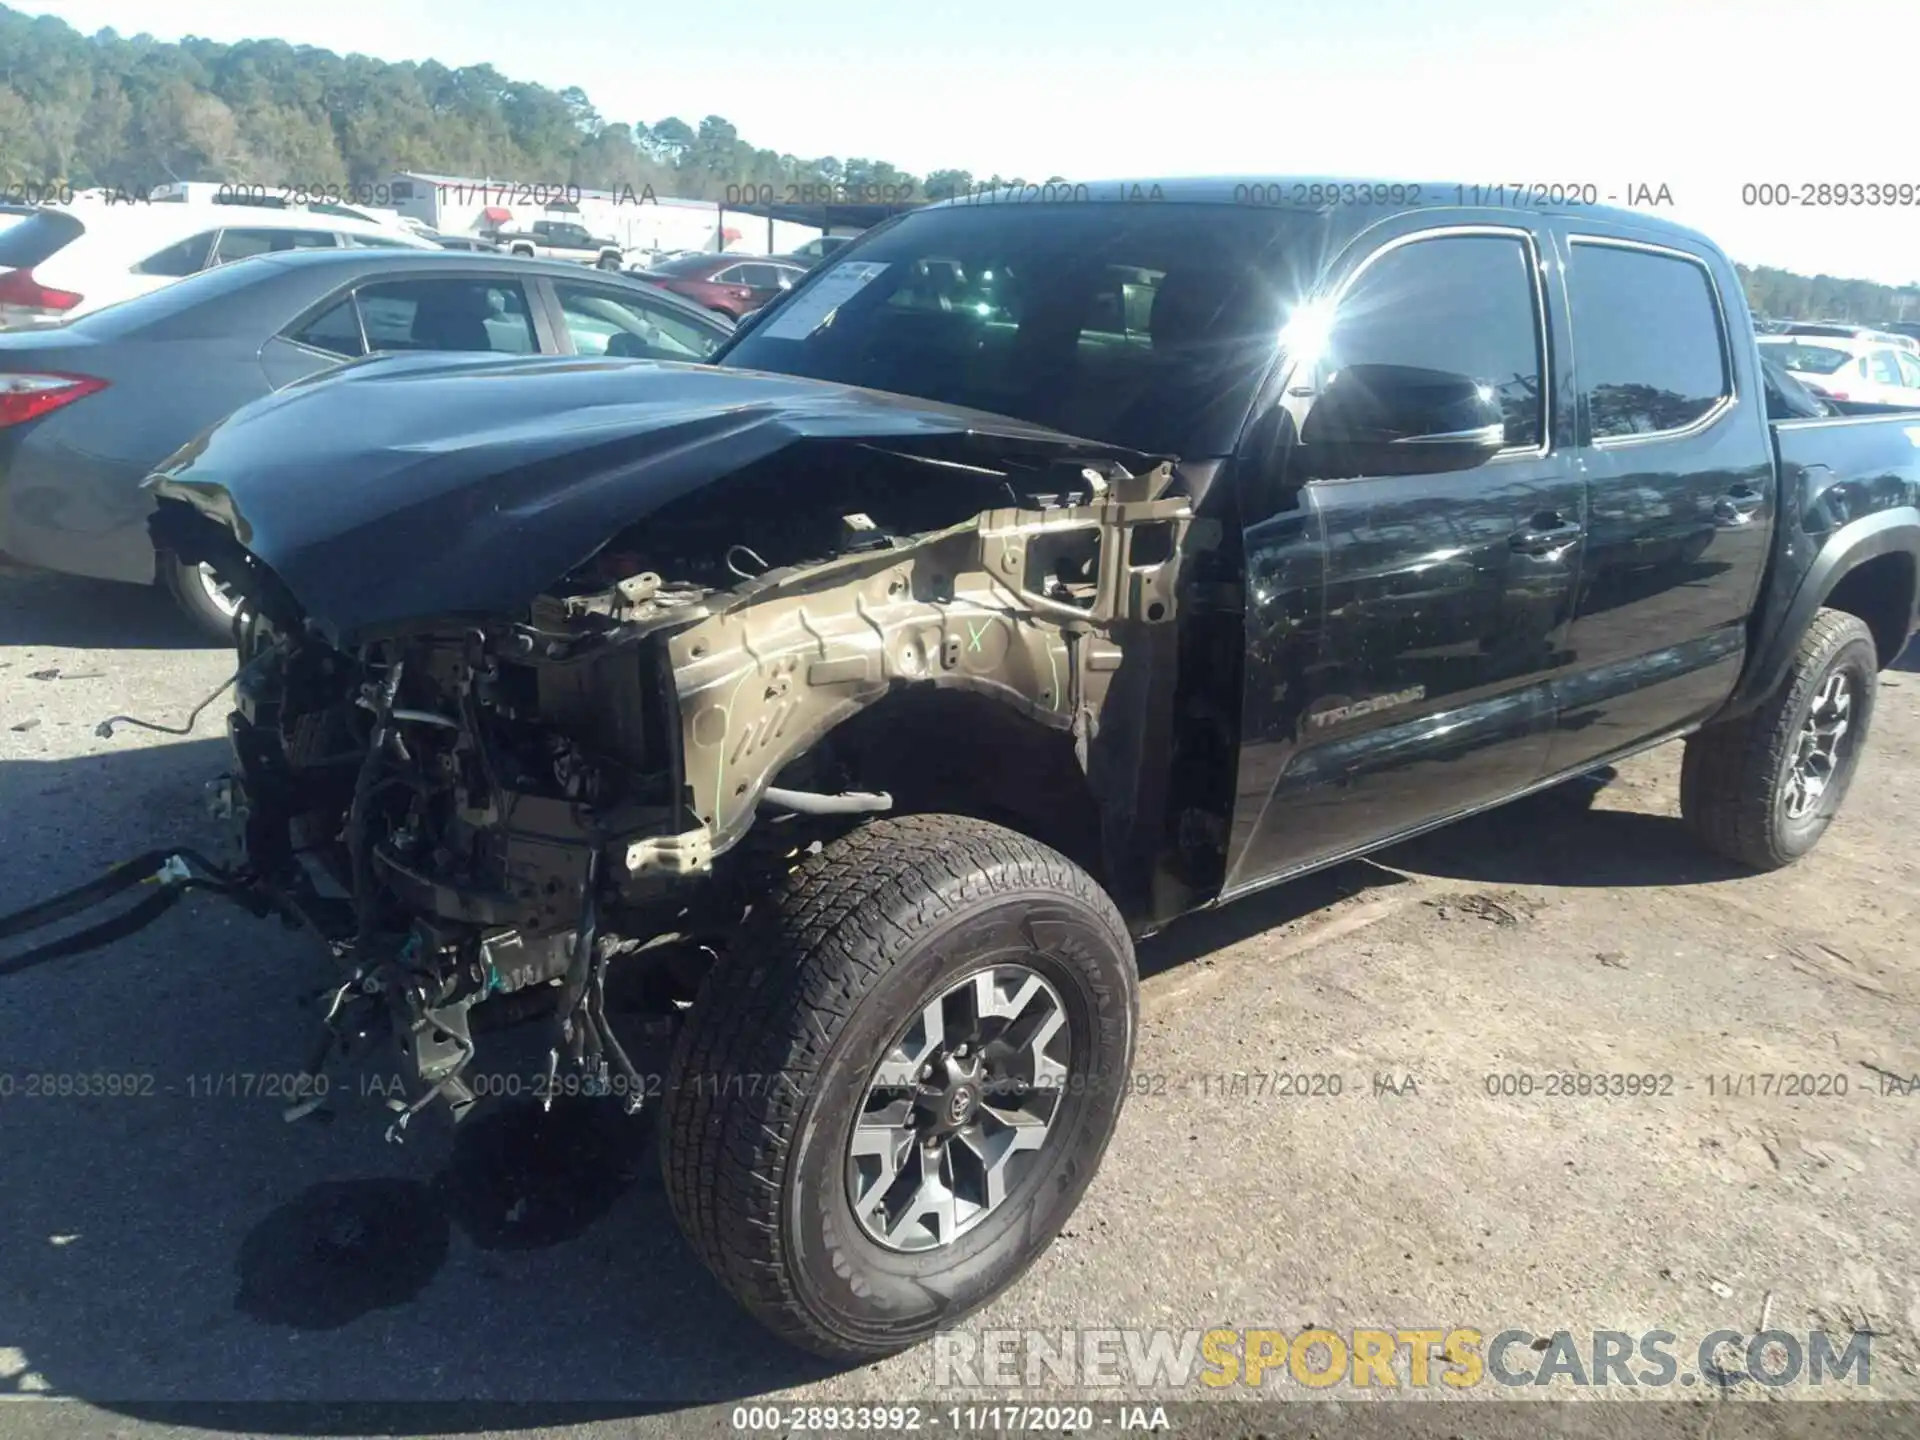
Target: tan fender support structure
{"x": 977, "y": 606}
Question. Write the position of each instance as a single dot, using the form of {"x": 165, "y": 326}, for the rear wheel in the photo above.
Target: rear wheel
{"x": 888, "y": 1099}
{"x": 1763, "y": 788}
{"x": 207, "y": 602}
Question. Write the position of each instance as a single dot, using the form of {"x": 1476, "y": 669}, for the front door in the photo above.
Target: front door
{"x": 1403, "y": 630}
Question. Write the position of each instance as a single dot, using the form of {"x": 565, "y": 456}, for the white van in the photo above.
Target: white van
{"x": 65, "y": 260}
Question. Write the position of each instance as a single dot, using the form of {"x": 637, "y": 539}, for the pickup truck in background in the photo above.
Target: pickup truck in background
{"x": 1028, "y": 576}
{"x": 561, "y": 240}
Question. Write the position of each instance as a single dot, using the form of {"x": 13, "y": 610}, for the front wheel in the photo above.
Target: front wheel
{"x": 202, "y": 597}
{"x": 888, "y": 1099}
{"x": 1762, "y": 789}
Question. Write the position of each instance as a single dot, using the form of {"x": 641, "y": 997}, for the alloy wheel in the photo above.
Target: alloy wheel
{"x": 1821, "y": 748}
{"x": 223, "y": 596}
{"x": 959, "y": 1109}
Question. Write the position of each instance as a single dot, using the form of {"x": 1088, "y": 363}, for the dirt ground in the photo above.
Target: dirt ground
{"x": 184, "y": 1244}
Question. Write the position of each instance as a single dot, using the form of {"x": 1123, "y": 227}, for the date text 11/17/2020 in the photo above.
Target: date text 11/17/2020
{"x": 1637, "y": 194}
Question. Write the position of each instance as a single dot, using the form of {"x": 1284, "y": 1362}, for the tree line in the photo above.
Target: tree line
{"x": 1787, "y": 296}
{"x": 106, "y": 110}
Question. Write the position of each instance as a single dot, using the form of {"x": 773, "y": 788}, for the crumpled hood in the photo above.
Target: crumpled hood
{"x": 419, "y": 486}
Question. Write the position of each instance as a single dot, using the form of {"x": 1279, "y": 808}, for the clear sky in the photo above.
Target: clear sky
{"x": 1702, "y": 96}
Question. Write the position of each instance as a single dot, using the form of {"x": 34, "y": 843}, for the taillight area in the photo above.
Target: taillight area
{"x": 24, "y": 300}
{"x": 28, "y": 397}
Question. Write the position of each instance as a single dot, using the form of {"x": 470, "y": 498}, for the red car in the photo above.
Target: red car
{"x": 732, "y": 284}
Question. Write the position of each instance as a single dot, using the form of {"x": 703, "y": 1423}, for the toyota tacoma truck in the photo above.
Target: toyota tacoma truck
{"x": 1031, "y": 575}
{"x": 561, "y": 240}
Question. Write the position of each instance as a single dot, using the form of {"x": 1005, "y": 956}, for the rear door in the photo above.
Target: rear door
{"x": 466, "y": 312}
{"x": 1403, "y": 630}
{"x": 1680, "y": 490}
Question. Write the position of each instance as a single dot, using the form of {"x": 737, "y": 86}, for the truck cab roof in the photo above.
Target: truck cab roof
{"x": 1358, "y": 201}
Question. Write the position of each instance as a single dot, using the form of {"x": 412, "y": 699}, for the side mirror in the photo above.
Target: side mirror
{"x": 1401, "y": 419}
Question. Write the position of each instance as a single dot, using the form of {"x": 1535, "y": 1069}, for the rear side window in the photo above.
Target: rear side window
{"x": 36, "y": 238}
{"x": 1648, "y": 343}
{"x": 467, "y": 314}
{"x": 1806, "y": 358}
{"x": 1884, "y": 369}
{"x": 239, "y": 243}
{"x": 335, "y": 330}
{"x": 185, "y": 258}
{"x": 1460, "y": 303}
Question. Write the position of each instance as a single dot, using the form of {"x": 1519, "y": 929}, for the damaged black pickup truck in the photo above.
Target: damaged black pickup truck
{"x": 1030, "y": 575}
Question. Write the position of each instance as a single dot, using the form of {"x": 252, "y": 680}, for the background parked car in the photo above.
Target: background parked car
{"x": 815, "y": 250}
{"x": 63, "y": 261}
{"x": 1869, "y": 370}
{"x": 88, "y": 409}
{"x": 734, "y": 285}
{"x": 561, "y": 240}
{"x": 474, "y": 243}
{"x": 1847, "y": 330}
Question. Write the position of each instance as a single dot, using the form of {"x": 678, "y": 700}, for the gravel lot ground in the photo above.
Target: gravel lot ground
{"x": 186, "y": 1246}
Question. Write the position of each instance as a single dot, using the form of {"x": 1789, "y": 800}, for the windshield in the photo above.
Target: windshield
{"x": 1807, "y": 359}
{"x": 1145, "y": 325}
{"x": 686, "y": 265}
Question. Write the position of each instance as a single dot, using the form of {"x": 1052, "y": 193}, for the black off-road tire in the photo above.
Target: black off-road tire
{"x": 771, "y": 1069}
{"x": 1733, "y": 779}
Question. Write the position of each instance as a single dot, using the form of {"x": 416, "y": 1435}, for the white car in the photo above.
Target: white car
{"x": 1845, "y": 330}
{"x": 1872, "y": 371}
{"x": 65, "y": 260}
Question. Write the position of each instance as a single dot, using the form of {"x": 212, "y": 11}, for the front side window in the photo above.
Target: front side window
{"x": 607, "y": 322}
{"x": 464, "y": 314}
{"x": 1463, "y": 304}
{"x": 1648, "y": 342}
{"x": 1909, "y": 371}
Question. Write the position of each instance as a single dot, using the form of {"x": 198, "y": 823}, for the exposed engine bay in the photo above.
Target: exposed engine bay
{"x": 489, "y": 818}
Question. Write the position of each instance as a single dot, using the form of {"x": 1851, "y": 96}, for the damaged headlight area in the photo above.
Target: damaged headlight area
{"x": 488, "y": 817}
